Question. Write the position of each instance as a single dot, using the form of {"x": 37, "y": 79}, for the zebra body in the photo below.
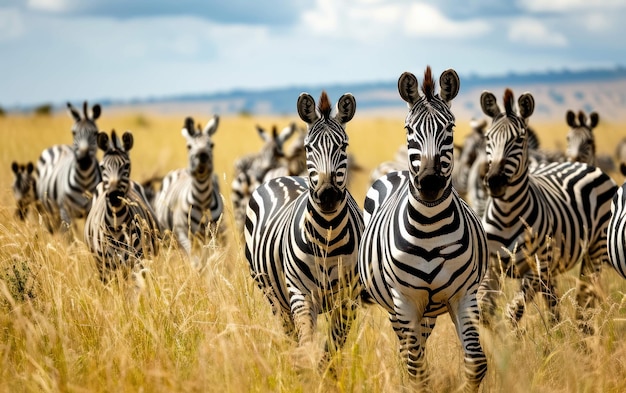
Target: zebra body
{"x": 68, "y": 174}
{"x": 551, "y": 216}
{"x": 302, "y": 233}
{"x": 120, "y": 229}
{"x": 423, "y": 251}
{"x": 616, "y": 232}
{"x": 24, "y": 188}
{"x": 189, "y": 203}
{"x": 254, "y": 169}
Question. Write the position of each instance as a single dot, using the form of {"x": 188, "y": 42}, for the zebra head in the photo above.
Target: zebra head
{"x": 325, "y": 145}
{"x": 581, "y": 144}
{"x": 506, "y": 140}
{"x": 272, "y": 150}
{"x": 429, "y": 126}
{"x": 85, "y": 133}
{"x": 200, "y": 147}
{"x": 115, "y": 166}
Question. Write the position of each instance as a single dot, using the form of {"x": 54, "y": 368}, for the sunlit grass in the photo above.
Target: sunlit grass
{"x": 62, "y": 330}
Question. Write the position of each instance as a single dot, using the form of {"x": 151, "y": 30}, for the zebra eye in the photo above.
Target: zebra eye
{"x": 188, "y": 147}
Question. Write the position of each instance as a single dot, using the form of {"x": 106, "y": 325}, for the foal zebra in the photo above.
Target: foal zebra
{"x": 23, "y": 187}
{"x": 423, "y": 251}
{"x": 302, "y": 233}
{"x": 251, "y": 170}
{"x": 189, "y": 203}
{"x": 120, "y": 229}
{"x": 539, "y": 223}
{"x": 68, "y": 174}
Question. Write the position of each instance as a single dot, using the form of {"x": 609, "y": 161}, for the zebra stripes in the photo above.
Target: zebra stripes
{"x": 539, "y": 223}
{"x": 616, "y": 231}
{"x": 24, "y": 184}
{"x": 302, "y": 233}
{"x": 189, "y": 203}
{"x": 423, "y": 251}
{"x": 252, "y": 170}
{"x": 68, "y": 174}
{"x": 120, "y": 229}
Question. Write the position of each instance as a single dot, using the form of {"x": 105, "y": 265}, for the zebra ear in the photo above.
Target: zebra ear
{"x": 30, "y": 167}
{"x": 127, "y": 141}
{"x": 15, "y": 167}
{"x": 103, "y": 141}
{"x": 526, "y": 104}
{"x": 489, "y": 104}
{"x": 346, "y": 107}
{"x": 287, "y": 132}
{"x": 570, "y": 117}
{"x": 73, "y": 112}
{"x": 262, "y": 134}
{"x": 594, "y": 118}
{"x": 211, "y": 126}
{"x": 95, "y": 112}
{"x": 306, "y": 108}
{"x": 408, "y": 87}
{"x": 449, "y": 85}
{"x": 582, "y": 119}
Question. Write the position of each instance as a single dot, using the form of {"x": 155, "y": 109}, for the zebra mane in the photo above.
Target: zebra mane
{"x": 509, "y": 102}
{"x": 428, "y": 87}
{"x": 324, "y": 106}
{"x": 190, "y": 125}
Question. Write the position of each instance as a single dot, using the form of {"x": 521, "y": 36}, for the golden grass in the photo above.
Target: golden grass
{"x": 62, "y": 330}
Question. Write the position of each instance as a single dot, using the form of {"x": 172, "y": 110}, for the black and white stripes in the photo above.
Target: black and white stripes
{"x": 424, "y": 252}
{"x": 68, "y": 174}
{"x": 302, "y": 233}
{"x": 543, "y": 221}
{"x": 189, "y": 203}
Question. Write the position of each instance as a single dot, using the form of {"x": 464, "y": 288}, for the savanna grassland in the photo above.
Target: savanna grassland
{"x": 61, "y": 330}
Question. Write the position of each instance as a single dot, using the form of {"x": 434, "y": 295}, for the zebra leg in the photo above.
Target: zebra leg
{"x": 488, "y": 290}
{"x": 183, "y": 239}
{"x": 341, "y": 320}
{"x": 304, "y": 317}
{"x": 516, "y": 307}
{"x": 586, "y": 294}
{"x": 465, "y": 315}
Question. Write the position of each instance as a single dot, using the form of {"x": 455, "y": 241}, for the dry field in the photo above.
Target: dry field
{"x": 211, "y": 331}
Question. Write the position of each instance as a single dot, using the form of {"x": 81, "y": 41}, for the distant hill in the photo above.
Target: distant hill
{"x": 555, "y": 92}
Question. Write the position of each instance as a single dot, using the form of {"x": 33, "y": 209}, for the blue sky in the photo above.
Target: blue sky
{"x": 59, "y": 50}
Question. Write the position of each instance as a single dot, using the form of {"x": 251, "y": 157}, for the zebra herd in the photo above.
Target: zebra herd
{"x": 417, "y": 248}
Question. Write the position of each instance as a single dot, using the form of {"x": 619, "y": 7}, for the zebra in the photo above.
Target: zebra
{"x": 68, "y": 174}
{"x": 473, "y": 144}
{"x": 423, "y": 252}
{"x": 121, "y": 228}
{"x": 252, "y": 170}
{"x": 581, "y": 141}
{"x": 399, "y": 163}
{"x": 189, "y": 203}
{"x": 302, "y": 233}
{"x": 24, "y": 185}
{"x": 539, "y": 222}
{"x": 616, "y": 231}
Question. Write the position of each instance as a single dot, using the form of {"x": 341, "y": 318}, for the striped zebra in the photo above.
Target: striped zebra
{"x": 302, "y": 233}
{"x": 616, "y": 232}
{"x": 121, "y": 228}
{"x": 581, "y": 141}
{"x": 423, "y": 251}
{"x": 539, "y": 223}
{"x": 24, "y": 184}
{"x": 473, "y": 144}
{"x": 68, "y": 174}
{"x": 252, "y": 170}
{"x": 189, "y": 202}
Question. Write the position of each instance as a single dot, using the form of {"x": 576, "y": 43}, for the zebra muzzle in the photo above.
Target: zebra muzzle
{"x": 496, "y": 184}
{"x": 328, "y": 198}
{"x": 431, "y": 187}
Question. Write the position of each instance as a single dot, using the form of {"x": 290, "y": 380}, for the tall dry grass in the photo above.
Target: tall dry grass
{"x": 62, "y": 330}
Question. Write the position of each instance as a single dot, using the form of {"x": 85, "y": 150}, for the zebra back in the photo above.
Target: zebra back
{"x": 120, "y": 229}
{"x": 302, "y": 233}
{"x": 68, "y": 174}
{"x": 423, "y": 251}
{"x": 189, "y": 203}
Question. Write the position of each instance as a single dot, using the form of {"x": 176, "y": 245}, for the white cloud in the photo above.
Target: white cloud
{"x": 566, "y": 6}
{"x": 49, "y": 5}
{"x": 11, "y": 24}
{"x": 427, "y": 21}
{"x": 532, "y": 32}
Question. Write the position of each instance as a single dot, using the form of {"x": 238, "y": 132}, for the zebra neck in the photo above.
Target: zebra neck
{"x": 116, "y": 216}
{"x": 201, "y": 194}
{"x": 320, "y": 229}
{"x": 87, "y": 175}
{"x": 517, "y": 194}
{"x": 419, "y": 204}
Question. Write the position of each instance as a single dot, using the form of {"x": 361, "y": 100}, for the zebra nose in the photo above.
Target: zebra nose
{"x": 496, "y": 184}
{"x": 203, "y": 158}
{"x": 431, "y": 187}
{"x": 329, "y": 197}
